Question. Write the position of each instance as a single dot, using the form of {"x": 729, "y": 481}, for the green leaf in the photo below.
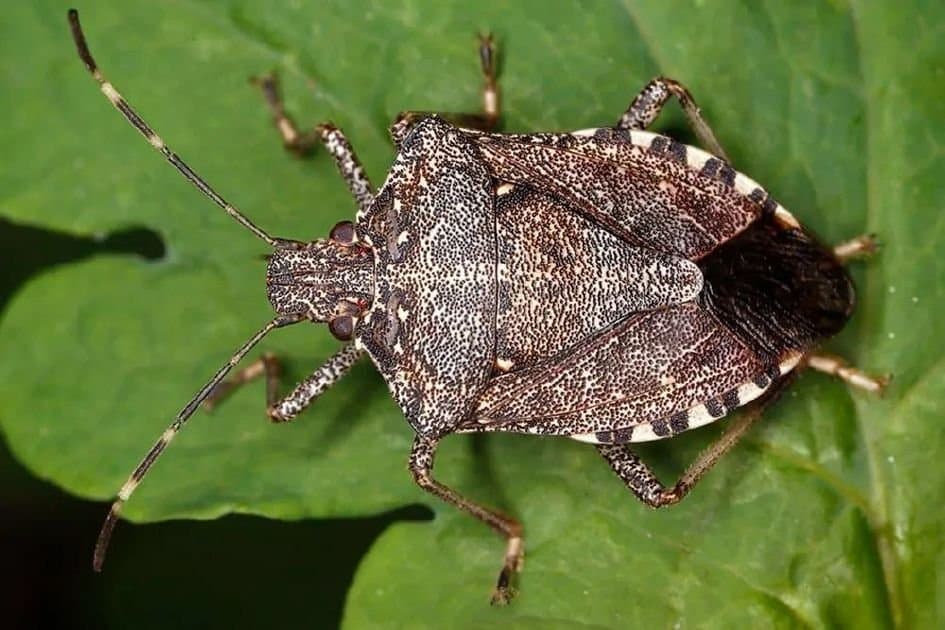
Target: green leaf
{"x": 829, "y": 515}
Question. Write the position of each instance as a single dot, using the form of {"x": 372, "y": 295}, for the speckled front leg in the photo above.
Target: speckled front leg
{"x": 486, "y": 120}
{"x": 421, "y": 467}
{"x": 348, "y": 166}
{"x": 650, "y": 102}
{"x": 303, "y": 143}
{"x": 641, "y": 481}
{"x": 311, "y": 388}
{"x": 301, "y": 397}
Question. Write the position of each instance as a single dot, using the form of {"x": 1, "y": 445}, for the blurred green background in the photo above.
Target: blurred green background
{"x": 122, "y": 290}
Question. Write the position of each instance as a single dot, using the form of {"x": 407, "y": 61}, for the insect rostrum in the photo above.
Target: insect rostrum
{"x": 609, "y": 285}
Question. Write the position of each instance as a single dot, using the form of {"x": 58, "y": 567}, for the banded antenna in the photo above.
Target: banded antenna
{"x": 105, "y": 535}
{"x": 155, "y": 141}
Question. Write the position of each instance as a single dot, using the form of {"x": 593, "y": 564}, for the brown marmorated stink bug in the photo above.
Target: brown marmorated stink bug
{"x": 609, "y": 285}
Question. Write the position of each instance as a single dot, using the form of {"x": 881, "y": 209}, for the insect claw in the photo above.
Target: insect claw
{"x": 672, "y": 496}
{"x": 882, "y": 382}
{"x": 263, "y": 80}
{"x": 503, "y": 594}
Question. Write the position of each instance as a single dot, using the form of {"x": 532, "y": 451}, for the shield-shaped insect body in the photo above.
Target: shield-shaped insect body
{"x": 609, "y": 285}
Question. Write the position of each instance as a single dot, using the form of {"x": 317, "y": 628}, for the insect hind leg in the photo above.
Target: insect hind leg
{"x": 862, "y": 246}
{"x": 836, "y": 366}
{"x": 421, "y": 467}
{"x": 650, "y": 102}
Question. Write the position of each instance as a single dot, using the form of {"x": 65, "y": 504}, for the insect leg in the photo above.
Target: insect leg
{"x": 486, "y": 120}
{"x": 641, "y": 481}
{"x": 348, "y": 165}
{"x": 859, "y": 247}
{"x": 836, "y": 366}
{"x": 650, "y": 102}
{"x": 490, "y": 90}
{"x": 267, "y": 365}
{"x": 288, "y": 407}
{"x": 421, "y": 467}
{"x": 295, "y": 141}
{"x": 311, "y": 388}
{"x": 303, "y": 143}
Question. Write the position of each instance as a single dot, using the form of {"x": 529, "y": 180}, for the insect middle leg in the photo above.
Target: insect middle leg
{"x": 486, "y": 120}
{"x": 650, "y": 102}
{"x": 327, "y": 134}
{"x": 421, "y": 467}
{"x": 641, "y": 481}
{"x": 267, "y": 365}
{"x": 288, "y": 407}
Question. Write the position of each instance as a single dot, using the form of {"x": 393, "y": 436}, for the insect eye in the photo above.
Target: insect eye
{"x": 343, "y": 233}
{"x": 342, "y": 327}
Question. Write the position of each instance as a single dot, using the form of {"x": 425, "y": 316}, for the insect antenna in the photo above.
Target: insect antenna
{"x": 101, "y": 545}
{"x": 138, "y": 123}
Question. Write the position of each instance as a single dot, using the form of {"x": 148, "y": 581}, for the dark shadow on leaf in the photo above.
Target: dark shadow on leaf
{"x": 237, "y": 571}
{"x": 484, "y": 470}
{"x": 362, "y": 383}
{"x": 26, "y": 250}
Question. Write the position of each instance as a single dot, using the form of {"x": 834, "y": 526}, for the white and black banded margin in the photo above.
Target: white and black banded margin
{"x": 704, "y": 162}
{"x": 698, "y": 416}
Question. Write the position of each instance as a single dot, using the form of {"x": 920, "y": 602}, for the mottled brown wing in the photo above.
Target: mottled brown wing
{"x": 651, "y": 375}
{"x": 652, "y": 196}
